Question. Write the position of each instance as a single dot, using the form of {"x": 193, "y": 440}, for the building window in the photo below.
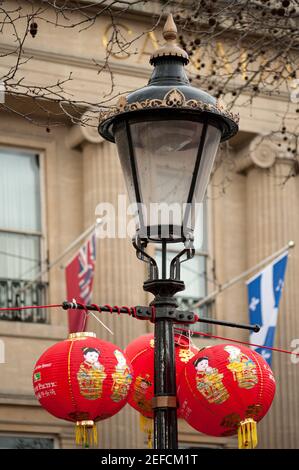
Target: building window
{"x": 20, "y": 234}
{"x": 193, "y": 272}
{"x": 26, "y": 442}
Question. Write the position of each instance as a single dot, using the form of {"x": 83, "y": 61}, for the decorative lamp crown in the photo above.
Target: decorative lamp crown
{"x": 171, "y": 47}
{"x": 169, "y": 91}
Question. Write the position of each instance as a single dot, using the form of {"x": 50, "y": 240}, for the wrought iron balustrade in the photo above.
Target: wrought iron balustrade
{"x": 13, "y": 294}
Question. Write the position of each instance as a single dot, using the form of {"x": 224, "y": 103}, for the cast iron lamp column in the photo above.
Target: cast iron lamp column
{"x": 167, "y": 135}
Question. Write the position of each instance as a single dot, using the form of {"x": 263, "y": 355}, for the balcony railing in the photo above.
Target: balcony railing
{"x": 12, "y": 294}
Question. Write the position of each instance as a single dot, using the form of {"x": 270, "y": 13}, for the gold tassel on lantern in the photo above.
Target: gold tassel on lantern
{"x": 247, "y": 434}
{"x": 86, "y": 433}
{"x": 147, "y": 426}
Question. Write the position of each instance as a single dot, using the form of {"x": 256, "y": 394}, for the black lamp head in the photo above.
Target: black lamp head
{"x": 167, "y": 134}
{"x": 169, "y": 93}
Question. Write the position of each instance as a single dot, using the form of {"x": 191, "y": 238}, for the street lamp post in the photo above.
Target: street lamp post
{"x": 167, "y": 135}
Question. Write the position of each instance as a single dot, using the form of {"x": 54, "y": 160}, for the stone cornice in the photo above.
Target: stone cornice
{"x": 129, "y": 68}
{"x": 33, "y": 331}
{"x": 116, "y": 66}
{"x": 18, "y": 399}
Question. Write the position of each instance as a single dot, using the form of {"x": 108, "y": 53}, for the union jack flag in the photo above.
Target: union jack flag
{"x": 87, "y": 257}
{"x": 79, "y": 275}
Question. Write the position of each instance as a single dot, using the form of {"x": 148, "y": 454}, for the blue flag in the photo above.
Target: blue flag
{"x": 264, "y": 292}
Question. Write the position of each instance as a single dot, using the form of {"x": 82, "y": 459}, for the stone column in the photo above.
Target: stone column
{"x": 227, "y": 243}
{"x": 119, "y": 275}
{"x": 272, "y": 199}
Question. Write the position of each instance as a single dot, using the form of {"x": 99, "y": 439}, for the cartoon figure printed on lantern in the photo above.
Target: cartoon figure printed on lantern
{"x": 243, "y": 368}
{"x": 122, "y": 378}
{"x": 91, "y": 374}
{"x": 141, "y": 386}
{"x": 209, "y": 382}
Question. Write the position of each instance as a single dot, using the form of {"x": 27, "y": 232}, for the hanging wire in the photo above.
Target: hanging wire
{"x": 27, "y": 307}
{"x": 247, "y": 343}
{"x": 132, "y": 312}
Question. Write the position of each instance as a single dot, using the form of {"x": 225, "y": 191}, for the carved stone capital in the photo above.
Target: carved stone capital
{"x": 261, "y": 152}
{"x": 87, "y": 132}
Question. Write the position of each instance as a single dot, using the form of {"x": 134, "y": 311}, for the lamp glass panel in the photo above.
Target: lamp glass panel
{"x": 165, "y": 153}
{"x": 211, "y": 145}
{"x": 161, "y": 164}
{"x": 121, "y": 139}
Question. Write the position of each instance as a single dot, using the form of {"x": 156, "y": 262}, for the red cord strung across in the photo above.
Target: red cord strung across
{"x": 132, "y": 312}
{"x": 199, "y": 333}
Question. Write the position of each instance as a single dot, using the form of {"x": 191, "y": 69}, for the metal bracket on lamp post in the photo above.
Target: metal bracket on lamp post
{"x": 187, "y": 317}
{"x": 146, "y": 313}
{"x": 164, "y": 312}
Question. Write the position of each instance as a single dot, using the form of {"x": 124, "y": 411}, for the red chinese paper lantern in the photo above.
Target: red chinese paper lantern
{"x": 82, "y": 379}
{"x": 225, "y": 390}
{"x": 140, "y": 352}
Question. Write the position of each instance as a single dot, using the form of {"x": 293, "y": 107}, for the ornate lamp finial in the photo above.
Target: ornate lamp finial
{"x": 170, "y": 29}
{"x": 171, "y": 48}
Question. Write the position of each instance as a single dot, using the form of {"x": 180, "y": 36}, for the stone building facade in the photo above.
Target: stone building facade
{"x": 76, "y": 169}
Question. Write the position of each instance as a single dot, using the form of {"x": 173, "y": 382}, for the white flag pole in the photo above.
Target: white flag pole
{"x": 62, "y": 255}
{"x": 238, "y": 278}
